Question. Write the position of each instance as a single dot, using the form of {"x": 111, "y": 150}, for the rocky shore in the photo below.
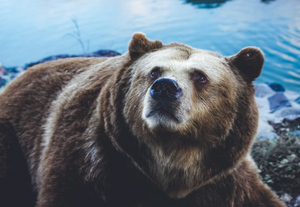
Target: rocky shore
{"x": 277, "y": 147}
{"x": 9, "y": 73}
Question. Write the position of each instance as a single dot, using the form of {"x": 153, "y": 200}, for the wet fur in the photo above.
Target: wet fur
{"x": 72, "y": 134}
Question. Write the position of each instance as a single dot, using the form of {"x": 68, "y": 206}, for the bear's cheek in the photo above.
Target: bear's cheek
{"x": 133, "y": 107}
{"x": 213, "y": 115}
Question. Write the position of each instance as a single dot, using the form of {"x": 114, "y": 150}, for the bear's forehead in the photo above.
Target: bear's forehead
{"x": 185, "y": 60}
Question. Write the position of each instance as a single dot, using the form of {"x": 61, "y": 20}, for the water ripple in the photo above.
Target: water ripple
{"x": 41, "y": 28}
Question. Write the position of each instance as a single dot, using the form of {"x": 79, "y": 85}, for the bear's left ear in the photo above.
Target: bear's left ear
{"x": 139, "y": 45}
{"x": 249, "y": 62}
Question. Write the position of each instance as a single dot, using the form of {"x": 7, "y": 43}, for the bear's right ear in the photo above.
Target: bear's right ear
{"x": 139, "y": 45}
{"x": 249, "y": 62}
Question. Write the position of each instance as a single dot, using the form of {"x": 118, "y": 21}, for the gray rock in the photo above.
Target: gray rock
{"x": 263, "y": 90}
{"x": 278, "y": 101}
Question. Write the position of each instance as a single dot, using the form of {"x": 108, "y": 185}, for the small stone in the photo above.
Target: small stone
{"x": 277, "y": 87}
{"x": 284, "y": 161}
{"x": 263, "y": 90}
{"x": 297, "y": 202}
{"x": 292, "y": 157}
{"x": 286, "y": 197}
{"x": 2, "y": 82}
{"x": 278, "y": 101}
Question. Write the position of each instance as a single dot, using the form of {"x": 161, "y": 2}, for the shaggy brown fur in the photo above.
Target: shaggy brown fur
{"x": 78, "y": 132}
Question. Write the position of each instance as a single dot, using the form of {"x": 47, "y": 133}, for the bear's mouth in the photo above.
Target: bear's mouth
{"x": 163, "y": 113}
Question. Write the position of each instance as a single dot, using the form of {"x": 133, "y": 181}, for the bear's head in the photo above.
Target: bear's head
{"x": 185, "y": 116}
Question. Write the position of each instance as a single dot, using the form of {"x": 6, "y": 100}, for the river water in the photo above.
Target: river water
{"x": 34, "y": 29}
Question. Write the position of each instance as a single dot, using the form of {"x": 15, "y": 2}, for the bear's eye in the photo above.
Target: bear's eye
{"x": 199, "y": 78}
{"x": 155, "y": 73}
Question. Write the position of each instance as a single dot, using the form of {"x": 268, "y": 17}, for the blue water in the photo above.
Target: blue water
{"x": 33, "y": 29}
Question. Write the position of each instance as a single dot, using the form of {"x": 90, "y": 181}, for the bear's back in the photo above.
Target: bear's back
{"x": 25, "y": 103}
{"x": 40, "y": 85}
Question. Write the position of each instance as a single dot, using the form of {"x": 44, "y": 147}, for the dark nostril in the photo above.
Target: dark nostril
{"x": 172, "y": 87}
{"x": 157, "y": 87}
{"x": 165, "y": 90}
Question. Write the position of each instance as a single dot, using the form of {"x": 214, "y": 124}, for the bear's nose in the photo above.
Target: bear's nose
{"x": 165, "y": 90}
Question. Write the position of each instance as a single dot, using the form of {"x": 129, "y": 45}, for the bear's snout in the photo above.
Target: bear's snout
{"x": 165, "y": 90}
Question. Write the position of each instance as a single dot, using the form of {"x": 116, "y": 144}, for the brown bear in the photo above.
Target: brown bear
{"x": 161, "y": 125}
